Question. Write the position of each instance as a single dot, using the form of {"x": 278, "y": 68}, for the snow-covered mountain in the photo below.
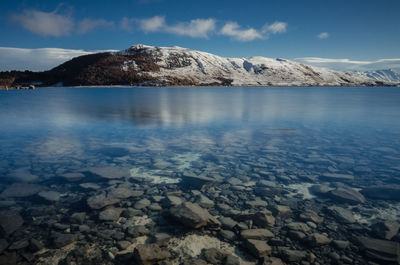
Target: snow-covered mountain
{"x": 171, "y": 66}
{"x": 386, "y": 75}
{"x": 203, "y": 68}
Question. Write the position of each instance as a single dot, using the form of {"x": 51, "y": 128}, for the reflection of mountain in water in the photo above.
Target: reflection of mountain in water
{"x": 180, "y": 106}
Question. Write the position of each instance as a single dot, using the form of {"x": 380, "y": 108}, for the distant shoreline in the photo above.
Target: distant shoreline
{"x": 169, "y": 86}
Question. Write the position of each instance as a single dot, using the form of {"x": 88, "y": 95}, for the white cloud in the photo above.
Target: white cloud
{"x": 127, "y": 23}
{"x": 351, "y": 65}
{"x": 89, "y": 24}
{"x": 152, "y": 24}
{"x": 232, "y": 29}
{"x": 45, "y": 23}
{"x": 274, "y": 28}
{"x": 36, "y": 59}
{"x": 196, "y": 28}
{"x": 235, "y": 31}
{"x": 323, "y": 35}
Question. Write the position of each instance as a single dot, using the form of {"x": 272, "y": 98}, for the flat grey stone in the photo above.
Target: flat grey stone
{"x": 10, "y": 221}
{"x": 110, "y": 214}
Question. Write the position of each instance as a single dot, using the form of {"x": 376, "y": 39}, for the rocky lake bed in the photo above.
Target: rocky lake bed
{"x": 183, "y": 187}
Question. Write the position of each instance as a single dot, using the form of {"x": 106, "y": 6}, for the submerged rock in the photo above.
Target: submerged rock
{"x": 101, "y": 200}
{"x": 293, "y": 255}
{"x": 50, "y": 195}
{"x": 337, "y": 177}
{"x": 316, "y": 240}
{"x": 258, "y": 248}
{"x": 110, "y": 214}
{"x": 342, "y": 215}
{"x": 280, "y": 210}
{"x": 386, "y": 230}
{"x": 259, "y": 234}
{"x": 61, "y": 240}
{"x": 383, "y": 250}
{"x": 384, "y": 192}
{"x": 72, "y": 177}
{"x": 263, "y": 219}
{"x": 346, "y": 194}
{"x": 22, "y": 190}
{"x": 312, "y": 216}
{"x": 10, "y": 221}
{"x": 149, "y": 254}
{"x": 192, "y": 215}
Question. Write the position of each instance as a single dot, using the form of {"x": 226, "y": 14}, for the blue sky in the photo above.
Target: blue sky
{"x": 350, "y": 33}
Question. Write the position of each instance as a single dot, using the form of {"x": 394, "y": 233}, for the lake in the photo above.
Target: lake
{"x": 107, "y": 168}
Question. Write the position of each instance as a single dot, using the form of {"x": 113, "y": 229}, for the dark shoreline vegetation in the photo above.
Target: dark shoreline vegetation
{"x": 200, "y": 176}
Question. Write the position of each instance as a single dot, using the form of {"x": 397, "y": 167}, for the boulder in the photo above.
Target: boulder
{"x": 204, "y": 201}
{"x": 273, "y": 261}
{"x": 298, "y": 226}
{"x": 347, "y": 195}
{"x": 320, "y": 189}
{"x": 259, "y": 234}
{"x": 311, "y": 216}
{"x": 342, "y": 215}
{"x": 101, "y": 200}
{"x": 124, "y": 193}
{"x": 386, "y": 230}
{"x": 149, "y": 254}
{"x": 52, "y": 196}
{"x": 22, "y": 190}
{"x": 258, "y": 248}
{"x": 383, "y": 250}
{"x": 171, "y": 201}
{"x": 384, "y": 192}
{"x": 280, "y": 210}
{"x": 293, "y": 255}
{"x": 61, "y": 240}
{"x": 263, "y": 219}
{"x": 72, "y": 177}
{"x": 10, "y": 221}
{"x": 110, "y": 214}
{"x": 337, "y": 177}
{"x": 141, "y": 204}
{"x": 317, "y": 239}
{"x": 192, "y": 215}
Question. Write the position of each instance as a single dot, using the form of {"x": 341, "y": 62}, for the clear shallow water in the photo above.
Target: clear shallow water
{"x": 128, "y": 149}
{"x": 54, "y": 130}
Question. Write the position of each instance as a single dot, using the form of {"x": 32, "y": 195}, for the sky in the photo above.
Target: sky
{"x": 343, "y": 35}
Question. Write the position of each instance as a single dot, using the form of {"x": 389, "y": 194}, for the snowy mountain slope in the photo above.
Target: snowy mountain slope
{"x": 203, "y": 68}
{"x": 386, "y": 75}
{"x": 177, "y": 66}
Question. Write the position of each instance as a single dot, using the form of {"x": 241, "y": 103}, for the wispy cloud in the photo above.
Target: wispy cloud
{"x": 156, "y": 23}
{"x": 89, "y": 24}
{"x": 234, "y": 30}
{"x": 351, "y": 65}
{"x": 36, "y": 59}
{"x": 45, "y": 23}
{"x": 196, "y": 28}
{"x": 323, "y": 35}
{"x": 274, "y": 28}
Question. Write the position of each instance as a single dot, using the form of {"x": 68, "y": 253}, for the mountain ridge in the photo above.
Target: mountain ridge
{"x": 178, "y": 66}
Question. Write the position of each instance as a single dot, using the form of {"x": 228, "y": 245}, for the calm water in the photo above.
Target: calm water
{"x": 96, "y": 167}
{"x": 51, "y": 131}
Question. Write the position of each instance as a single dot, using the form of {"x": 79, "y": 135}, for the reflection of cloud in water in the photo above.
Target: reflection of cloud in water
{"x": 55, "y": 147}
